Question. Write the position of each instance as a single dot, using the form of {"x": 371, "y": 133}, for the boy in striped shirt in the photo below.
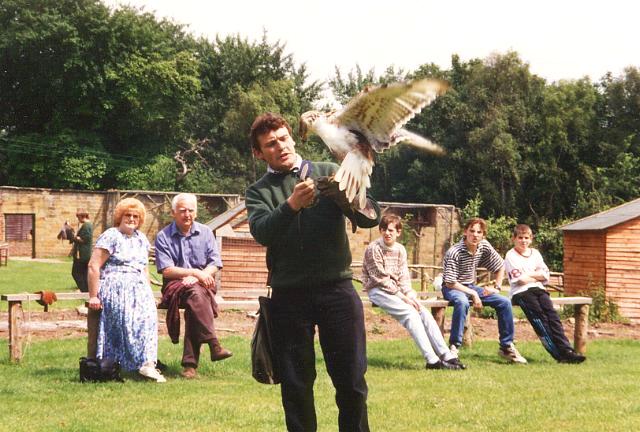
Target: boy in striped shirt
{"x": 459, "y": 287}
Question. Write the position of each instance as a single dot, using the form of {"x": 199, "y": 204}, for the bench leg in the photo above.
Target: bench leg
{"x": 15, "y": 337}
{"x": 438, "y": 315}
{"x": 93, "y": 322}
{"x": 581, "y": 315}
{"x": 467, "y": 336}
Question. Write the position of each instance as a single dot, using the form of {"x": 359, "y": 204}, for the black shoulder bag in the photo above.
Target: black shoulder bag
{"x": 263, "y": 363}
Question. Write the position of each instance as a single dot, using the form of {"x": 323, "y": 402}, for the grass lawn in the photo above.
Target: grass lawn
{"x": 30, "y": 276}
{"x": 43, "y": 393}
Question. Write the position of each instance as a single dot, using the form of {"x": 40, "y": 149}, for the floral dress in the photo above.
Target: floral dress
{"x": 128, "y": 331}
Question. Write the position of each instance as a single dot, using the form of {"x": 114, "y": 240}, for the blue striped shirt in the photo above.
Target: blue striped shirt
{"x": 460, "y": 266}
{"x": 198, "y": 249}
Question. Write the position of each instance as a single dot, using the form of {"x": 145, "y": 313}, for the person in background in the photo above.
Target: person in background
{"x": 459, "y": 287}
{"x": 528, "y": 274}
{"x": 81, "y": 250}
{"x": 119, "y": 285}
{"x": 386, "y": 279}
{"x": 187, "y": 256}
{"x": 309, "y": 260}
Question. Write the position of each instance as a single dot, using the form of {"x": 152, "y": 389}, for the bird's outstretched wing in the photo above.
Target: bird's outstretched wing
{"x": 380, "y": 112}
{"x": 417, "y": 141}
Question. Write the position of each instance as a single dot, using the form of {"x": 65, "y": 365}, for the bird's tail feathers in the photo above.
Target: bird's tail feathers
{"x": 353, "y": 178}
{"x": 420, "y": 142}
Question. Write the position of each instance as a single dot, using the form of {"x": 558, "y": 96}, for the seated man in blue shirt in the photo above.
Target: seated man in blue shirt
{"x": 188, "y": 258}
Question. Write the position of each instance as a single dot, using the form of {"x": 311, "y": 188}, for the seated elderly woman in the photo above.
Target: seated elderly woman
{"x": 119, "y": 285}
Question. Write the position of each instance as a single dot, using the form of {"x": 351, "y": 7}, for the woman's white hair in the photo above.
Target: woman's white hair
{"x": 187, "y": 197}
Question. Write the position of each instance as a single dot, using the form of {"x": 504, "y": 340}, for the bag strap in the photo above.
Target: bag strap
{"x": 269, "y": 284}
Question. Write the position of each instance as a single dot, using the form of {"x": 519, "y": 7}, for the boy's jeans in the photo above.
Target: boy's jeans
{"x": 461, "y": 305}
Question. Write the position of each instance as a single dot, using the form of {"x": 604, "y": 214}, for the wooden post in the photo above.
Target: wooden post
{"x": 467, "y": 336}
{"x": 93, "y": 322}
{"x": 438, "y": 315}
{"x": 581, "y": 314}
{"x": 15, "y": 338}
{"x": 423, "y": 279}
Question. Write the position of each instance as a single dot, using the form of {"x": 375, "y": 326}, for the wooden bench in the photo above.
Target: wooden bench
{"x": 4, "y": 254}
{"x": 232, "y": 300}
{"x": 226, "y": 300}
{"x": 581, "y": 316}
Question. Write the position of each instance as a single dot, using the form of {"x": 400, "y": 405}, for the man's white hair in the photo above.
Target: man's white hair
{"x": 186, "y": 197}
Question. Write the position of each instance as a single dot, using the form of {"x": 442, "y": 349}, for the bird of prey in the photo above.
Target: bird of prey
{"x": 372, "y": 121}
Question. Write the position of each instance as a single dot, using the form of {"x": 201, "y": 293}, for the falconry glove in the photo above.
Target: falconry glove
{"x": 329, "y": 188}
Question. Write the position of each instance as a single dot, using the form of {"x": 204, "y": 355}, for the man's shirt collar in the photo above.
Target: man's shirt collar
{"x": 175, "y": 231}
{"x": 296, "y": 166}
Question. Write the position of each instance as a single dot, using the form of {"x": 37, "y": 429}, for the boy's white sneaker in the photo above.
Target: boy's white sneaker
{"x": 150, "y": 371}
{"x": 511, "y": 354}
{"x": 454, "y": 350}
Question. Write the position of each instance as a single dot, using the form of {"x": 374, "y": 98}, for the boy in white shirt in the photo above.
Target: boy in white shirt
{"x": 527, "y": 275}
{"x": 385, "y": 278}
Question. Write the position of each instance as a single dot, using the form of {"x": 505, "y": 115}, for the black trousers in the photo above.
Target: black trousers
{"x": 537, "y": 306}
{"x": 79, "y": 273}
{"x": 337, "y": 311}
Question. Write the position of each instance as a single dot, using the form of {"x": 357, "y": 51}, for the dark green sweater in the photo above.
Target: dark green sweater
{"x": 83, "y": 248}
{"x": 309, "y": 247}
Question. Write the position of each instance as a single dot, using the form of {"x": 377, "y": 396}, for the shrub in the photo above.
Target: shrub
{"x": 603, "y": 309}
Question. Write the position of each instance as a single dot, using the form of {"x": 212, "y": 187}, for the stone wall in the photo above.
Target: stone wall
{"x": 52, "y": 207}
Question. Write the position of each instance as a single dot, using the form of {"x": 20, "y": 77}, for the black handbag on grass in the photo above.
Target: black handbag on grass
{"x": 90, "y": 371}
{"x": 263, "y": 364}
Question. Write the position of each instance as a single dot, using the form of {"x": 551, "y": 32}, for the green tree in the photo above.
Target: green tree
{"x": 241, "y": 79}
{"x": 71, "y": 67}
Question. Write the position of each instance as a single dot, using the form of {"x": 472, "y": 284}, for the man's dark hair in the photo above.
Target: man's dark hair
{"x": 389, "y": 218}
{"x": 266, "y": 123}
{"x": 473, "y": 221}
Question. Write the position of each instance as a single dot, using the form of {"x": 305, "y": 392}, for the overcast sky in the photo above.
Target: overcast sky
{"x": 560, "y": 39}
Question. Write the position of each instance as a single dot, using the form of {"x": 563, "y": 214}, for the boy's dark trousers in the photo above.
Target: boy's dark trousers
{"x": 337, "y": 311}
{"x": 537, "y": 306}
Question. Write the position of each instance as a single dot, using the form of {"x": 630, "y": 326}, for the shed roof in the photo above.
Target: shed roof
{"x": 229, "y": 215}
{"x": 226, "y": 217}
{"x": 607, "y": 218}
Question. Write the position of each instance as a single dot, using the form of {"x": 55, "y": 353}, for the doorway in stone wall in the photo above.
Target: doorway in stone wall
{"x": 20, "y": 233}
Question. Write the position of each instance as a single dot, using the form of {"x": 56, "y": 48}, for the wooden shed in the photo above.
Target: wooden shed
{"x": 244, "y": 259}
{"x": 603, "y": 250}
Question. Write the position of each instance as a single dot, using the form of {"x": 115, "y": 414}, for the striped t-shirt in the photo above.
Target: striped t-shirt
{"x": 460, "y": 266}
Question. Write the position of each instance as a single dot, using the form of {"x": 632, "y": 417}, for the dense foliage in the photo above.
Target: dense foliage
{"x": 94, "y": 98}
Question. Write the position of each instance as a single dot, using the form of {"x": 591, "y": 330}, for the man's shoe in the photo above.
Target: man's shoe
{"x": 443, "y": 366}
{"x": 456, "y": 361}
{"x": 188, "y": 373}
{"x": 219, "y": 353}
{"x": 149, "y": 371}
{"x": 511, "y": 354}
{"x": 454, "y": 350}
{"x": 572, "y": 357}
